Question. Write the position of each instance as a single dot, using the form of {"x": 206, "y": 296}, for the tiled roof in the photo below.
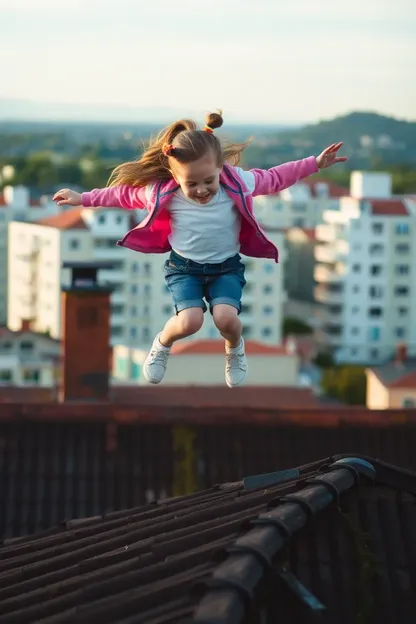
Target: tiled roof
{"x": 66, "y": 220}
{"x": 343, "y": 528}
{"x": 397, "y": 374}
{"x": 334, "y": 190}
{"x": 216, "y": 347}
{"x": 2, "y": 200}
{"x": 388, "y": 207}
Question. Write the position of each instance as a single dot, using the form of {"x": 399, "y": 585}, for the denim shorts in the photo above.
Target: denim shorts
{"x": 190, "y": 282}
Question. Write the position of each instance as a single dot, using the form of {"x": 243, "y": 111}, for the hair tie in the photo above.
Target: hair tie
{"x": 167, "y": 149}
{"x": 209, "y": 129}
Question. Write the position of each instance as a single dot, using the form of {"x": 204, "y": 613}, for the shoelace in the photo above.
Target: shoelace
{"x": 158, "y": 356}
{"x": 235, "y": 360}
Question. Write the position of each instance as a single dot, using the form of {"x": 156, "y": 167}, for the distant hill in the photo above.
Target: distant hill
{"x": 370, "y": 140}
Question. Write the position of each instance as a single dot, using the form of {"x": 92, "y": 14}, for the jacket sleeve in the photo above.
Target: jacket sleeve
{"x": 123, "y": 196}
{"x": 270, "y": 181}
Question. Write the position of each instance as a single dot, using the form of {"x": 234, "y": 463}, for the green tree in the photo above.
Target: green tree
{"x": 296, "y": 327}
{"x": 346, "y": 383}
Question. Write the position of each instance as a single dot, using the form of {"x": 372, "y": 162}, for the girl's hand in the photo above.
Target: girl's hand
{"x": 66, "y": 197}
{"x": 329, "y": 156}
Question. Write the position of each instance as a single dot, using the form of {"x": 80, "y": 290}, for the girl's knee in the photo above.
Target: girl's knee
{"x": 225, "y": 318}
{"x": 191, "y": 320}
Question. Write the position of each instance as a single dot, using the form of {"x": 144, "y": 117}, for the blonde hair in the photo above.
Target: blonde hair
{"x": 185, "y": 144}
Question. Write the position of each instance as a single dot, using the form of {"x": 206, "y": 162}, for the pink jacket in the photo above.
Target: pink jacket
{"x": 152, "y": 234}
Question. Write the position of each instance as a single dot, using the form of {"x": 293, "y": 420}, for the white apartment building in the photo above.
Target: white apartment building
{"x": 27, "y": 359}
{"x": 16, "y": 204}
{"x": 300, "y": 206}
{"x": 365, "y": 272}
{"x": 141, "y": 303}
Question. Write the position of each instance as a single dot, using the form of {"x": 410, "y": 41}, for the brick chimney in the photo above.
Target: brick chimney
{"x": 86, "y": 347}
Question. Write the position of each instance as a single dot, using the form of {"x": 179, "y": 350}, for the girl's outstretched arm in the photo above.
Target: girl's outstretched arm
{"x": 123, "y": 196}
{"x": 270, "y": 181}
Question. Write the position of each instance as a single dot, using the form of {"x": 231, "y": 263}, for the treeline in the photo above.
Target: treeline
{"x": 44, "y": 172}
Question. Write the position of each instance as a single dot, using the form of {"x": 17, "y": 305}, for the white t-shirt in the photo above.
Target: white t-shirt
{"x": 207, "y": 233}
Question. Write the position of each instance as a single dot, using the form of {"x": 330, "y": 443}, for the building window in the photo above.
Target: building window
{"x": 408, "y": 403}
{"x": 375, "y": 269}
{"x": 376, "y": 249}
{"x": 400, "y": 332}
{"x": 32, "y": 376}
{"x": 356, "y": 268}
{"x": 117, "y": 308}
{"x": 119, "y": 219}
{"x": 267, "y": 310}
{"x": 147, "y": 269}
{"x": 267, "y": 289}
{"x": 74, "y": 243}
{"x": 268, "y": 268}
{"x": 6, "y": 346}
{"x": 377, "y": 228}
{"x": 402, "y": 248}
{"x": 355, "y": 331}
{"x": 133, "y": 332}
{"x": 402, "y": 269}
{"x": 402, "y": 228}
{"x": 134, "y": 289}
{"x": 133, "y": 310}
{"x": 6, "y": 375}
{"x": 26, "y": 345}
{"x": 376, "y": 292}
{"x": 116, "y": 331}
{"x": 247, "y": 331}
{"x": 355, "y": 288}
{"x": 146, "y": 334}
{"x": 374, "y": 354}
{"x": 401, "y": 291}
{"x": 402, "y": 311}
{"x": 101, "y": 219}
{"x": 146, "y": 310}
{"x": 298, "y": 222}
{"x": 167, "y": 309}
{"x": 354, "y": 351}
{"x": 266, "y": 331}
{"x": 374, "y": 334}
{"x": 135, "y": 267}
{"x": 246, "y": 309}
{"x": 375, "y": 312}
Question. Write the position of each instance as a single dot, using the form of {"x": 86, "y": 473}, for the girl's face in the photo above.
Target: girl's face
{"x": 199, "y": 180}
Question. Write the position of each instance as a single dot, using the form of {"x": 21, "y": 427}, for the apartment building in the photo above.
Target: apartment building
{"x": 140, "y": 301}
{"x": 27, "y": 358}
{"x": 365, "y": 272}
{"x": 299, "y": 206}
{"x": 16, "y": 204}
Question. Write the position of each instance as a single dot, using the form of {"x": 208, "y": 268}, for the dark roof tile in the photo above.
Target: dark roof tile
{"x": 182, "y": 558}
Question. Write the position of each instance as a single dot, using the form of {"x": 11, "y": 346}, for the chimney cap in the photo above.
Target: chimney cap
{"x": 86, "y": 264}
{"x": 84, "y": 275}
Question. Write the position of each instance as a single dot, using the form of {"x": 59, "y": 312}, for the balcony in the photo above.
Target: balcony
{"x": 328, "y": 296}
{"x": 323, "y": 274}
{"x": 331, "y": 253}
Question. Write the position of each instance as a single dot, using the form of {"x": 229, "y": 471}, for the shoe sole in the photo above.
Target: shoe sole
{"x": 237, "y": 384}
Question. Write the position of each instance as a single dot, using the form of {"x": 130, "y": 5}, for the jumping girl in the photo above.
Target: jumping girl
{"x": 200, "y": 209}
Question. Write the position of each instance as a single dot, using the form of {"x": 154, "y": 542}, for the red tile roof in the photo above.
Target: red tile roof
{"x": 67, "y": 220}
{"x": 388, "y": 207}
{"x": 2, "y": 200}
{"x": 216, "y": 347}
{"x": 407, "y": 381}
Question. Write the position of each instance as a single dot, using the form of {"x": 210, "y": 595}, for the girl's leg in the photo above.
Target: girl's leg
{"x": 185, "y": 323}
{"x": 229, "y": 325}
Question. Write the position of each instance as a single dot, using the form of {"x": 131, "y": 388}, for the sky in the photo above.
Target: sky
{"x": 258, "y": 60}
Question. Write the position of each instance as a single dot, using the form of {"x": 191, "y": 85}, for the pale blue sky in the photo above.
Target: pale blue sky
{"x": 261, "y": 60}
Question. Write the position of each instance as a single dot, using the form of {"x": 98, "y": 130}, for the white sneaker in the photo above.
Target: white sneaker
{"x": 235, "y": 365}
{"x": 155, "y": 364}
